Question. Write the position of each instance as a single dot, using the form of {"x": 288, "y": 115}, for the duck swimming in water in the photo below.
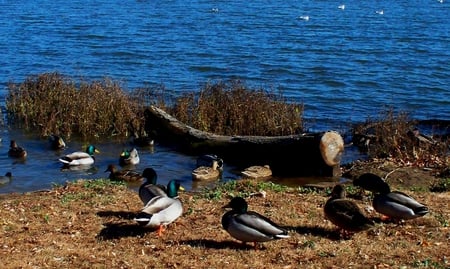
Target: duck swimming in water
{"x": 79, "y": 157}
{"x": 15, "y": 151}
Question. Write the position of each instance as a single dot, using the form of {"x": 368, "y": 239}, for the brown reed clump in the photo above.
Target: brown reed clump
{"x": 233, "y": 109}
{"x": 51, "y": 103}
{"x": 395, "y": 136}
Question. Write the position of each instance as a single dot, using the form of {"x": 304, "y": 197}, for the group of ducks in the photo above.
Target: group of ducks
{"x": 162, "y": 207}
{"x": 393, "y": 205}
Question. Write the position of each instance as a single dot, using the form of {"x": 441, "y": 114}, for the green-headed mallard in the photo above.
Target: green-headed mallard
{"x": 6, "y": 178}
{"x": 392, "y": 204}
{"x": 80, "y": 157}
{"x": 345, "y": 213}
{"x": 56, "y": 142}
{"x": 129, "y": 157}
{"x": 257, "y": 172}
{"x": 162, "y": 210}
{"x": 149, "y": 189}
{"x": 207, "y": 172}
{"x": 15, "y": 151}
{"x": 123, "y": 175}
{"x": 249, "y": 226}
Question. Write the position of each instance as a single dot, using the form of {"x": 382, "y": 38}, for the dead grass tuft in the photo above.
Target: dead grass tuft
{"x": 396, "y": 137}
{"x": 52, "y": 103}
{"x": 233, "y": 108}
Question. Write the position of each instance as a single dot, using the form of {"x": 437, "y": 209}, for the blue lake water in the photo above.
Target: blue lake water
{"x": 343, "y": 64}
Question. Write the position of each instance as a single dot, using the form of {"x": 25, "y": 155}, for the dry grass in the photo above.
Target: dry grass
{"x": 392, "y": 135}
{"x": 234, "y": 108}
{"x": 88, "y": 224}
{"x": 51, "y": 103}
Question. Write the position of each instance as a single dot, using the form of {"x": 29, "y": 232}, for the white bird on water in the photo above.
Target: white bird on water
{"x": 305, "y": 18}
{"x": 341, "y": 7}
{"x": 380, "y": 12}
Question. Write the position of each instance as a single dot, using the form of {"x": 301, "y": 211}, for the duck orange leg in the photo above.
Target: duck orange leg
{"x": 160, "y": 230}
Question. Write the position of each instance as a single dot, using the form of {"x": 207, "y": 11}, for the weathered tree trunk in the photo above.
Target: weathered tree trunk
{"x": 309, "y": 154}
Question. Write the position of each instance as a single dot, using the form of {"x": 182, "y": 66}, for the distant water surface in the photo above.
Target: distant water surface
{"x": 343, "y": 64}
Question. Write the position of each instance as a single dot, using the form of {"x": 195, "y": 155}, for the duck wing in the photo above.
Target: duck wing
{"x": 150, "y": 191}
{"x": 346, "y": 214}
{"x": 397, "y": 204}
{"x": 77, "y": 158}
{"x": 262, "y": 224}
{"x": 157, "y": 204}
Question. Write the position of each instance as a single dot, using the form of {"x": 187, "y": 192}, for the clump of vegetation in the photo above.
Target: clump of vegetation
{"x": 395, "y": 136}
{"x": 52, "y": 103}
{"x": 443, "y": 185}
{"x": 234, "y": 109}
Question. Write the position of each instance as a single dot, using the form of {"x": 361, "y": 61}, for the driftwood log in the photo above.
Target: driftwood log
{"x": 309, "y": 154}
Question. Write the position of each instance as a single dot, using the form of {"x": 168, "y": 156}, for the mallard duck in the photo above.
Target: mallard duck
{"x": 79, "y": 157}
{"x": 129, "y": 157}
{"x": 207, "y": 172}
{"x": 143, "y": 141}
{"x": 345, "y": 213}
{"x": 257, "y": 172}
{"x": 160, "y": 211}
{"x": 15, "y": 151}
{"x": 398, "y": 206}
{"x": 148, "y": 190}
{"x": 56, "y": 142}
{"x": 249, "y": 226}
{"x": 208, "y": 160}
{"x": 6, "y": 178}
{"x": 123, "y": 175}
{"x": 392, "y": 204}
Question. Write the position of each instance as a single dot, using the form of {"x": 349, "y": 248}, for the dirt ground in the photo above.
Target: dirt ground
{"x": 89, "y": 224}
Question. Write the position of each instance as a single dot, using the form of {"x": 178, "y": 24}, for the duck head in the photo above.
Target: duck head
{"x": 150, "y": 175}
{"x": 91, "y": 150}
{"x": 372, "y": 182}
{"x": 111, "y": 168}
{"x": 173, "y": 187}
{"x": 237, "y": 204}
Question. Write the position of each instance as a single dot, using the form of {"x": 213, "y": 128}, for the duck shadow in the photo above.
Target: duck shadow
{"x": 119, "y": 230}
{"x": 207, "y": 243}
{"x": 332, "y": 234}
{"x": 118, "y": 214}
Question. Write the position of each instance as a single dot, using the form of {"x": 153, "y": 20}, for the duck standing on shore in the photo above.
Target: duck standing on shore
{"x": 393, "y": 205}
{"x": 160, "y": 211}
{"x": 149, "y": 189}
{"x": 15, "y": 151}
{"x": 250, "y": 226}
{"x": 345, "y": 213}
